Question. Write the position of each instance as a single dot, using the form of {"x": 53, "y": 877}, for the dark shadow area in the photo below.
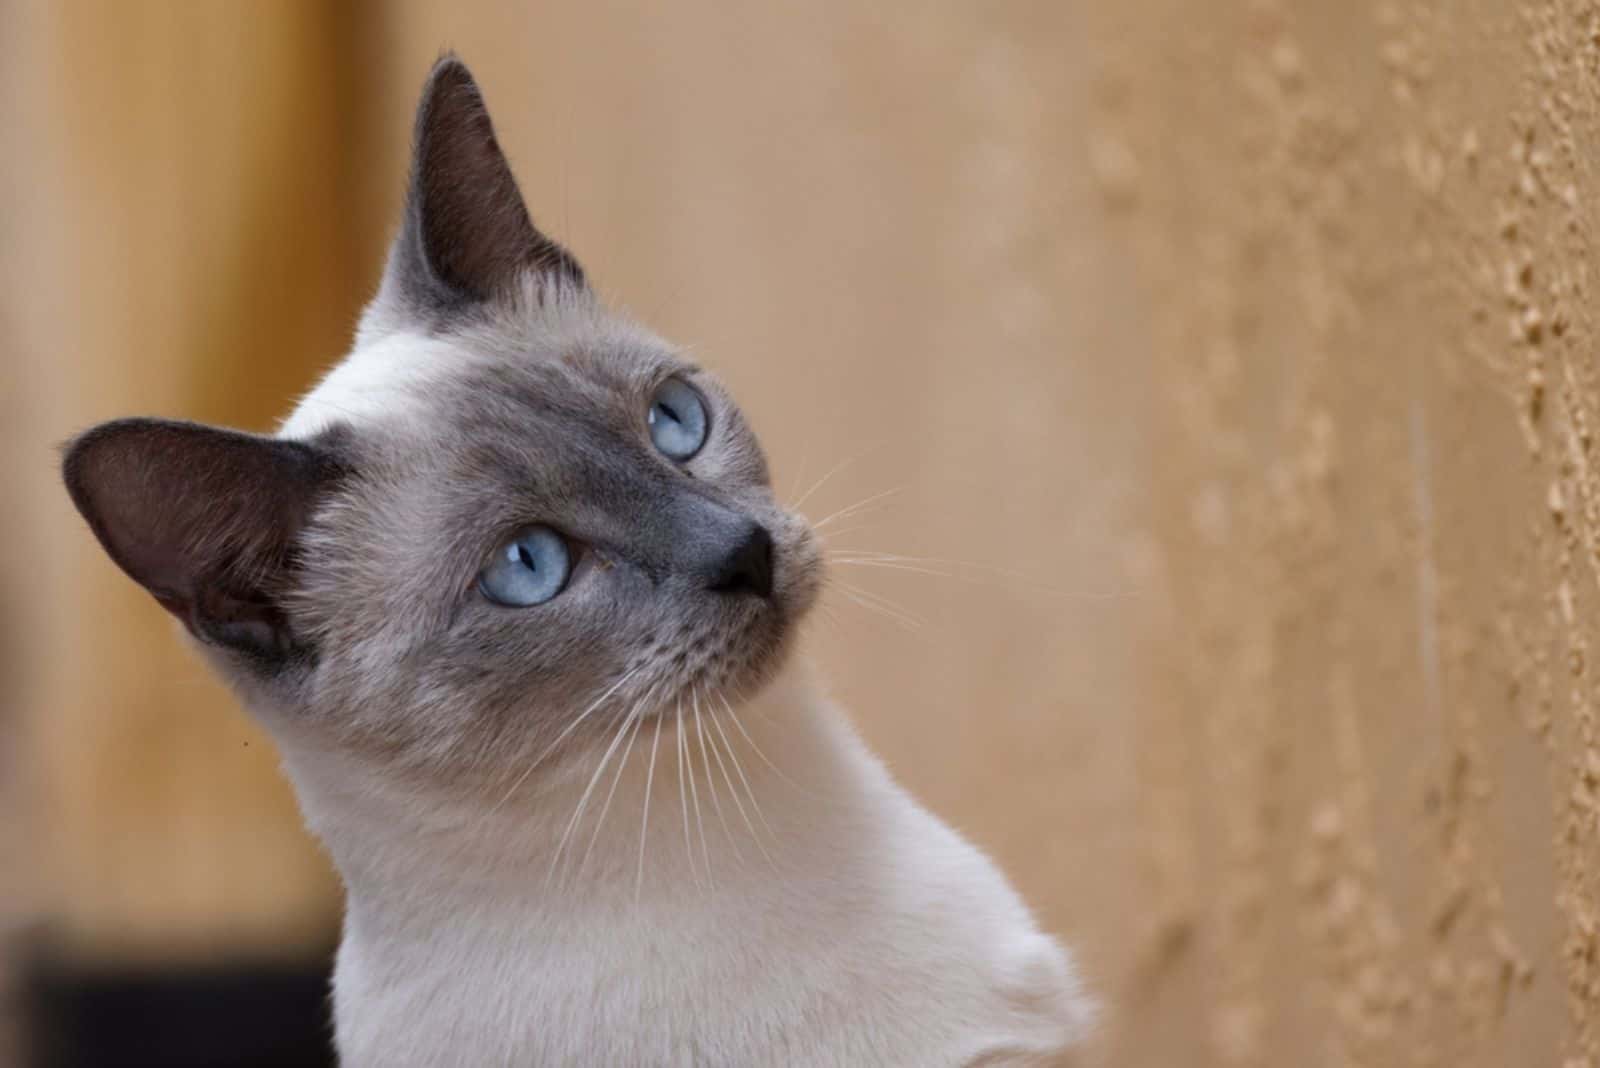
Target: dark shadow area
{"x": 226, "y": 1016}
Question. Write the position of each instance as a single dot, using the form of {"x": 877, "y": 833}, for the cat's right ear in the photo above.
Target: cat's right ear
{"x": 466, "y": 235}
{"x": 207, "y": 520}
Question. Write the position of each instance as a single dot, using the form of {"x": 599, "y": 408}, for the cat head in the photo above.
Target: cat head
{"x": 507, "y": 519}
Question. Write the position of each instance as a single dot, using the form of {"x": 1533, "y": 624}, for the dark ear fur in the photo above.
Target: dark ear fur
{"x": 466, "y": 233}
{"x": 205, "y": 519}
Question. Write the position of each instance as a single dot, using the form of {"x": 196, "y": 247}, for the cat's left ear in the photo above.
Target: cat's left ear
{"x": 467, "y": 235}
{"x": 207, "y": 520}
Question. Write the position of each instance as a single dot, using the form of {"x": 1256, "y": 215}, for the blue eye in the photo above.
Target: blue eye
{"x": 677, "y": 420}
{"x": 529, "y": 569}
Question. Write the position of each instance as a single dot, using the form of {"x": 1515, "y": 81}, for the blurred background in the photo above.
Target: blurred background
{"x": 1230, "y": 365}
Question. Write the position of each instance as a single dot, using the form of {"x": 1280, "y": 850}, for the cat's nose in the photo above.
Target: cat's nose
{"x": 748, "y": 566}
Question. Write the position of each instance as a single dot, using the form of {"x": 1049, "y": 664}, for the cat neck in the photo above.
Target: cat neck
{"x": 702, "y": 804}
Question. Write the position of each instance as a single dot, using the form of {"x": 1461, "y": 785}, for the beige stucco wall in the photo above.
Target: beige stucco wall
{"x": 1233, "y": 360}
{"x": 1367, "y": 738}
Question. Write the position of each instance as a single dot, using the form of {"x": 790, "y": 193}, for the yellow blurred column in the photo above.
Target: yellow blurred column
{"x": 186, "y": 238}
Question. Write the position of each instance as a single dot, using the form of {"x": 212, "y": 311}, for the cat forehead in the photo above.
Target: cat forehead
{"x": 401, "y": 376}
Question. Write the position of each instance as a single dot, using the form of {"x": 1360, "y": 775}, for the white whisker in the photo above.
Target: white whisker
{"x": 733, "y": 790}
{"x": 800, "y": 472}
{"x": 854, "y": 509}
{"x": 711, "y": 781}
{"x": 694, "y": 791}
{"x": 644, "y": 822}
{"x": 738, "y": 768}
{"x": 954, "y": 569}
{"x": 866, "y": 522}
{"x": 683, "y": 791}
{"x": 739, "y": 726}
{"x": 890, "y": 565}
{"x": 616, "y": 780}
{"x": 834, "y": 470}
{"x": 583, "y": 801}
{"x": 598, "y": 701}
{"x": 880, "y": 604}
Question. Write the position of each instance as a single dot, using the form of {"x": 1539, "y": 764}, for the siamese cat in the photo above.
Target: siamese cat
{"x": 512, "y": 593}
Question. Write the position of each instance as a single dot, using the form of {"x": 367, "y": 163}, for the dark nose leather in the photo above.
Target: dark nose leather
{"x": 748, "y": 567}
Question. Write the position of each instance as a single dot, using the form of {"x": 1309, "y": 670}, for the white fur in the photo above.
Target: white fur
{"x": 387, "y": 375}
{"x": 861, "y": 930}
{"x": 386, "y": 378}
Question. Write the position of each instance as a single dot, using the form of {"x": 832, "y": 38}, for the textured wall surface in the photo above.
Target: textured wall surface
{"x": 1367, "y": 736}
{"x": 1226, "y": 367}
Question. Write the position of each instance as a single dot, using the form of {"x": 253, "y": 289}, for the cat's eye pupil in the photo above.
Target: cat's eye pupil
{"x": 529, "y": 569}
{"x": 677, "y": 420}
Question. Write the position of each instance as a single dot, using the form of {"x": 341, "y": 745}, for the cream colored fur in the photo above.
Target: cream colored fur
{"x": 834, "y": 921}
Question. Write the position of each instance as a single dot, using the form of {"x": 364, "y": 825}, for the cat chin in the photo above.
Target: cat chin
{"x": 752, "y": 655}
